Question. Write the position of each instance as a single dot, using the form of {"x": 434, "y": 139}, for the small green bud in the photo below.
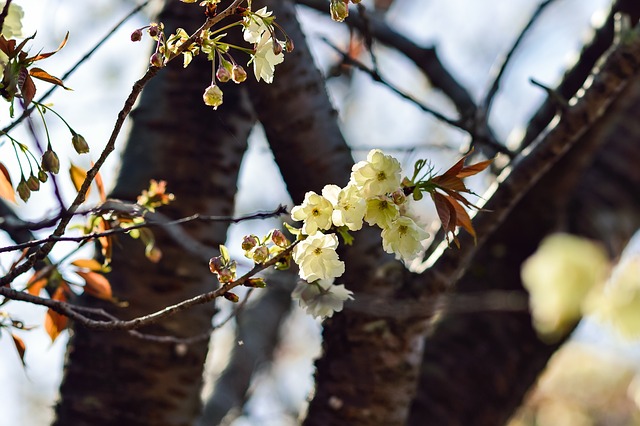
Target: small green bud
{"x": 42, "y": 176}
{"x": 79, "y": 144}
{"x": 260, "y": 254}
{"x": 50, "y": 162}
{"x": 255, "y": 283}
{"x": 23, "y": 190}
{"x": 33, "y": 183}
{"x": 339, "y": 10}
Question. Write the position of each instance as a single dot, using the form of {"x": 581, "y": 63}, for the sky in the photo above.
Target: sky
{"x": 470, "y": 35}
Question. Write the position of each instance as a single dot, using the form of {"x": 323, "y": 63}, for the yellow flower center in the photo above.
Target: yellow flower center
{"x": 381, "y": 176}
{"x": 315, "y": 212}
{"x": 317, "y": 251}
{"x": 402, "y": 229}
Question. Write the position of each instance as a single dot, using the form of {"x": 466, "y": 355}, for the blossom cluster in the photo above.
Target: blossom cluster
{"x": 567, "y": 278}
{"x": 258, "y": 29}
{"x": 374, "y": 195}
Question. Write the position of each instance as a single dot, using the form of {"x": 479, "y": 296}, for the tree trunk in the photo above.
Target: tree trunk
{"x": 113, "y": 378}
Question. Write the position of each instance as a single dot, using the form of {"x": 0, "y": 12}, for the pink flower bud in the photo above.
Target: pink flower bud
{"x": 260, "y": 254}
{"x": 154, "y": 30}
{"x": 249, "y": 242}
{"x": 223, "y": 75}
{"x": 278, "y": 238}
{"x": 156, "y": 60}
{"x": 277, "y": 47}
{"x": 289, "y": 45}
{"x": 238, "y": 74}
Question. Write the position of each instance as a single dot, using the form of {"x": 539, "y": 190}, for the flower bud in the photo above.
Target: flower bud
{"x": 212, "y": 96}
{"x": 79, "y": 144}
{"x": 398, "y": 197}
{"x": 339, "y": 10}
{"x": 278, "y": 238}
{"x": 216, "y": 264}
{"x": 260, "y": 254}
{"x": 23, "y": 190}
{"x": 223, "y": 75}
{"x": 225, "y": 275}
{"x": 50, "y": 162}
{"x": 231, "y": 297}
{"x": 255, "y": 283}
{"x": 33, "y": 183}
{"x": 289, "y": 45}
{"x": 238, "y": 74}
{"x": 249, "y": 242}
{"x": 156, "y": 60}
{"x": 42, "y": 176}
{"x": 277, "y": 47}
{"x": 136, "y": 35}
{"x": 154, "y": 30}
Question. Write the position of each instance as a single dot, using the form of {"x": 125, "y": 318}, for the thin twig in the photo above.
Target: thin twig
{"x": 110, "y": 146}
{"x": 75, "y": 312}
{"x": 485, "y": 107}
{"x": 153, "y": 224}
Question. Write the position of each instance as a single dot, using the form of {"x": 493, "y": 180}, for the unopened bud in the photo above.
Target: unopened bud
{"x": 255, "y": 283}
{"x": 339, "y": 10}
{"x": 278, "y": 238}
{"x": 225, "y": 275}
{"x": 277, "y": 47}
{"x": 223, "y": 75}
{"x": 136, "y": 35}
{"x": 79, "y": 144}
{"x": 156, "y": 60}
{"x": 238, "y": 74}
{"x": 231, "y": 297}
{"x": 249, "y": 242}
{"x": 154, "y": 30}
{"x": 50, "y": 162}
{"x": 216, "y": 264}
{"x": 289, "y": 45}
{"x": 42, "y": 176}
{"x": 398, "y": 197}
{"x": 33, "y": 183}
{"x": 260, "y": 254}
{"x": 213, "y": 96}
{"x": 23, "y": 190}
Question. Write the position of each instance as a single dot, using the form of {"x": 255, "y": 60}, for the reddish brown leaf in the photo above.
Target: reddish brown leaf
{"x": 20, "y": 347}
{"x": 46, "y": 55}
{"x": 473, "y": 169}
{"x": 105, "y": 242}
{"x": 463, "y": 219}
{"x": 90, "y": 264}
{"x": 41, "y": 74}
{"x": 27, "y": 88}
{"x": 6, "y": 188}
{"x": 96, "y": 285}
{"x": 453, "y": 183}
{"x": 446, "y": 212}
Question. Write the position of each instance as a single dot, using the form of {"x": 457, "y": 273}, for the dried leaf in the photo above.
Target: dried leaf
{"x": 90, "y": 264}
{"x": 54, "y": 322}
{"x": 78, "y": 175}
{"x": 35, "y": 287}
{"x": 6, "y": 188}
{"x": 20, "y": 346}
{"x": 100, "y": 184}
{"x": 97, "y": 285}
{"x": 41, "y": 74}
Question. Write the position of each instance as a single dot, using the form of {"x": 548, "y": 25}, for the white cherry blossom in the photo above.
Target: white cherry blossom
{"x": 264, "y": 59}
{"x": 403, "y": 237}
{"x": 378, "y": 175}
{"x": 348, "y": 205}
{"x": 315, "y": 211}
{"x": 317, "y": 258}
{"x": 321, "y": 298}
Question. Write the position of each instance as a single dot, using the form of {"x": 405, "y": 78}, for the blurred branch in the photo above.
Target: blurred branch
{"x": 485, "y": 107}
{"x": 576, "y": 76}
{"x": 375, "y": 76}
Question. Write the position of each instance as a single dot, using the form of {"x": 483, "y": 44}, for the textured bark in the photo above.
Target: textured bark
{"x": 112, "y": 378}
{"x": 362, "y": 352}
{"x": 477, "y": 367}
